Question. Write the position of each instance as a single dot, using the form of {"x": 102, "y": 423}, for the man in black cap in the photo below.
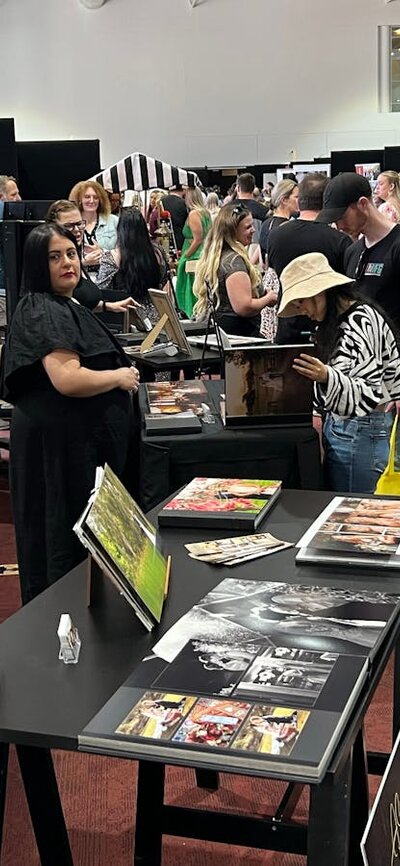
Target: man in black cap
{"x": 174, "y": 203}
{"x": 304, "y": 235}
{"x": 373, "y": 260}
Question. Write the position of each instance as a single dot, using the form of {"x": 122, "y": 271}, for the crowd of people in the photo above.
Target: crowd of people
{"x": 311, "y": 261}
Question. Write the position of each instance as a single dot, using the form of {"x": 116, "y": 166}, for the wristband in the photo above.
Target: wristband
{"x": 104, "y": 306}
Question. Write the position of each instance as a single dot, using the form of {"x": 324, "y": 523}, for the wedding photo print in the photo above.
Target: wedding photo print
{"x": 260, "y": 383}
{"x": 351, "y": 529}
{"x": 171, "y": 398}
{"x": 318, "y": 618}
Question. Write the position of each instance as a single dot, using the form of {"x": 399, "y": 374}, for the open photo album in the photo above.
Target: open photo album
{"x": 258, "y": 677}
{"x": 354, "y": 530}
{"x": 261, "y": 387}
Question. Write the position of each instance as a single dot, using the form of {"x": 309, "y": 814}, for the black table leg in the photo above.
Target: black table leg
{"x": 207, "y": 779}
{"x": 328, "y": 837}
{"x": 359, "y": 799}
{"x": 149, "y": 799}
{"x": 4, "y": 749}
{"x": 44, "y": 803}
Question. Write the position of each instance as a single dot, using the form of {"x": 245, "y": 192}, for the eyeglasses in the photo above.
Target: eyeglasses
{"x": 71, "y": 226}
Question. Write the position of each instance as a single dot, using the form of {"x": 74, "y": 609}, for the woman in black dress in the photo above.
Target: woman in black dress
{"x": 70, "y": 384}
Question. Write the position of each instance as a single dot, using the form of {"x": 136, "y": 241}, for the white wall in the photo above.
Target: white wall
{"x": 228, "y": 82}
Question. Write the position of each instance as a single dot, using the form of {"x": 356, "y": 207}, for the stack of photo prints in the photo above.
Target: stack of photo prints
{"x": 226, "y": 503}
{"x": 233, "y": 551}
{"x": 360, "y": 531}
{"x": 175, "y": 407}
{"x": 258, "y": 677}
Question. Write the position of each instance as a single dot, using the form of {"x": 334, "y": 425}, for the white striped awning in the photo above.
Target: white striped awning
{"x": 140, "y": 172}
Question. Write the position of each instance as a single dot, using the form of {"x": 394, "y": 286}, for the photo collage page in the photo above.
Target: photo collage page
{"x": 214, "y": 722}
{"x": 176, "y": 398}
{"x": 357, "y": 526}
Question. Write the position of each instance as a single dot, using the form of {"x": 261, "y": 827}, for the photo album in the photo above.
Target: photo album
{"x": 353, "y": 530}
{"x": 261, "y": 386}
{"x": 266, "y": 672}
{"x": 123, "y": 543}
{"x": 175, "y": 406}
{"x": 232, "y": 503}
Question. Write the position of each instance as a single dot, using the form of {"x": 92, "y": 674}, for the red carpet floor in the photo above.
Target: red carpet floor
{"x": 98, "y": 793}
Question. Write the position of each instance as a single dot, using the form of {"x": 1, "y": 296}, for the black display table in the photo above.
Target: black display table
{"x": 46, "y": 704}
{"x": 290, "y": 454}
{"x": 149, "y": 365}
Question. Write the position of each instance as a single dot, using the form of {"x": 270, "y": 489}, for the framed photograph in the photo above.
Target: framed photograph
{"x": 173, "y": 328}
{"x": 301, "y": 169}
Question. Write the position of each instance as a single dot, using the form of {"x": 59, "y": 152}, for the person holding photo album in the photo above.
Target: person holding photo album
{"x": 70, "y": 384}
{"x": 356, "y": 373}
{"x": 234, "y": 282}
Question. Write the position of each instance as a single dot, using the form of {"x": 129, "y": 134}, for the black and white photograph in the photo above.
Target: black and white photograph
{"x": 283, "y": 673}
{"x": 318, "y": 618}
{"x": 210, "y": 668}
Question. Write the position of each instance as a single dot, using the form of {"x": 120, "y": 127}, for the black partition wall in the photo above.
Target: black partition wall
{"x": 391, "y": 158}
{"x": 346, "y": 160}
{"x": 8, "y": 150}
{"x": 49, "y": 169}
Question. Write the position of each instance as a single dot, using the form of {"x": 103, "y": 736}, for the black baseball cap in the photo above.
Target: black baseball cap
{"x": 340, "y": 192}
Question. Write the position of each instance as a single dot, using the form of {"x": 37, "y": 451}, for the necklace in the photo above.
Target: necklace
{"x": 91, "y": 236}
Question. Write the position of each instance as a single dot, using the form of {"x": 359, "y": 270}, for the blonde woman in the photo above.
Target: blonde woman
{"x": 284, "y": 205}
{"x": 233, "y": 280}
{"x": 212, "y": 204}
{"x": 195, "y": 230}
{"x": 387, "y": 188}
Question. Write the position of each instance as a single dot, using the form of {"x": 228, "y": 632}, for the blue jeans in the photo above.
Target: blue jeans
{"x": 356, "y": 451}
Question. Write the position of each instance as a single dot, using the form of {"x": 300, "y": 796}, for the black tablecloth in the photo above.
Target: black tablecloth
{"x": 291, "y": 454}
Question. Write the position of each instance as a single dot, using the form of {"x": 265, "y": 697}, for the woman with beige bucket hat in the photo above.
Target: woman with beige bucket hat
{"x": 356, "y": 373}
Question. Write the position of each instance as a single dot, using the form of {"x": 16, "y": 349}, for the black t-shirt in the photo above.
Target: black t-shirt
{"x": 175, "y": 205}
{"x": 296, "y": 238}
{"x": 258, "y": 210}
{"x": 268, "y": 226}
{"x": 377, "y": 270}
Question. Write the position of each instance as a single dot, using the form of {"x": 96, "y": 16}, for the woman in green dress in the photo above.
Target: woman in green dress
{"x": 195, "y": 229}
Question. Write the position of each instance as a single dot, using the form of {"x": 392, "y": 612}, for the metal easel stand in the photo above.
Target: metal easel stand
{"x": 211, "y": 322}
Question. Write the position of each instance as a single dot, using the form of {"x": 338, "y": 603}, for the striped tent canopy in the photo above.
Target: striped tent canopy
{"x": 140, "y": 172}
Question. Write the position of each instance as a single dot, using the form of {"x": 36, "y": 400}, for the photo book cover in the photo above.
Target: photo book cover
{"x": 261, "y": 382}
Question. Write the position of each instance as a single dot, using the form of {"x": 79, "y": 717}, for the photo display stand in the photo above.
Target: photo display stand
{"x": 122, "y": 545}
{"x": 170, "y": 324}
{"x": 211, "y": 325}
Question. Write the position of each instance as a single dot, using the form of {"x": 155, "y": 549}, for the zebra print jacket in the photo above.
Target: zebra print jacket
{"x": 364, "y": 370}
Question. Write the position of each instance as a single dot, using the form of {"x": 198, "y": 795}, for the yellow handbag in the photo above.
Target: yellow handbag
{"x": 389, "y": 482}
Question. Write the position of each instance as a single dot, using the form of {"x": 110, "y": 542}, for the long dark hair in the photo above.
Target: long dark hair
{"x": 328, "y": 331}
{"x": 36, "y": 274}
{"x": 139, "y": 269}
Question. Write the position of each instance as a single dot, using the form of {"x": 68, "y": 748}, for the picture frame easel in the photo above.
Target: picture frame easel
{"x": 169, "y": 323}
